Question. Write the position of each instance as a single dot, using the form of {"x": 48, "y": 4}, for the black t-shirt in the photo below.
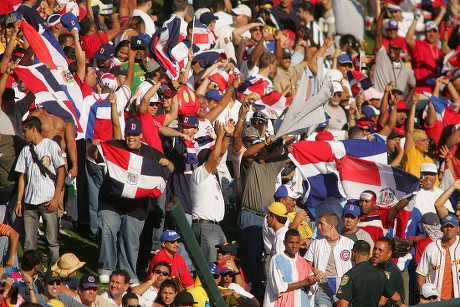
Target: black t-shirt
{"x": 139, "y": 207}
{"x": 363, "y": 285}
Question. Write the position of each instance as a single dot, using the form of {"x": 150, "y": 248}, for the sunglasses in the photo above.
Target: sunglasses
{"x": 432, "y": 297}
{"x": 178, "y": 240}
{"x": 133, "y": 305}
{"x": 434, "y": 31}
{"x": 227, "y": 274}
{"x": 256, "y": 30}
{"x": 54, "y": 283}
{"x": 216, "y": 276}
{"x": 154, "y": 104}
{"x": 338, "y": 94}
{"x": 164, "y": 273}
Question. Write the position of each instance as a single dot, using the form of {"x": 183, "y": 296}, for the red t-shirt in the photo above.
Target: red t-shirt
{"x": 420, "y": 247}
{"x": 375, "y": 223}
{"x": 150, "y": 125}
{"x": 434, "y": 131}
{"x": 424, "y": 63}
{"x": 86, "y": 90}
{"x": 178, "y": 267}
{"x": 400, "y": 130}
{"x": 91, "y": 43}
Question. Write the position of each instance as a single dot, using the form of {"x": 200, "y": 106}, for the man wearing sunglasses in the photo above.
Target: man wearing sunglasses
{"x": 52, "y": 285}
{"x": 87, "y": 292}
{"x": 150, "y": 288}
{"x": 227, "y": 281}
{"x": 337, "y": 116}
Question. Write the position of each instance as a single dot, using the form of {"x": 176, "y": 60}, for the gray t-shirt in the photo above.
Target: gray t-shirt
{"x": 386, "y": 71}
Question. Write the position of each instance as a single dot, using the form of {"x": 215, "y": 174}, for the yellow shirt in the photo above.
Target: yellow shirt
{"x": 413, "y": 161}
{"x": 304, "y": 229}
{"x": 3, "y": 45}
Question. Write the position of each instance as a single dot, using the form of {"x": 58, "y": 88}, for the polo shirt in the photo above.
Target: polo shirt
{"x": 178, "y": 267}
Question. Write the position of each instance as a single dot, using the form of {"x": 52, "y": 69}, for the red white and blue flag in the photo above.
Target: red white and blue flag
{"x": 96, "y": 117}
{"x": 202, "y": 37}
{"x": 358, "y": 82}
{"x": 316, "y": 161}
{"x": 445, "y": 111}
{"x": 170, "y": 48}
{"x": 132, "y": 176}
{"x": 272, "y": 103}
{"x": 49, "y": 93}
{"x": 390, "y": 184}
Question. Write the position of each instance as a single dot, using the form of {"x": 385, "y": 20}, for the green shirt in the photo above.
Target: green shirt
{"x": 138, "y": 75}
{"x": 363, "y": 286}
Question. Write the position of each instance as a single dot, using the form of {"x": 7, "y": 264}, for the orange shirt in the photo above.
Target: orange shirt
{"x": 447, "y": 292}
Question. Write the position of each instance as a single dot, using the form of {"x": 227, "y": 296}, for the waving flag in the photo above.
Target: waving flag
{"x": 390, "y": 184}
{"x": 358, "y": 82}
{"x": 132, "y": 176}
{"x": 202, "y": 37}
{"x": 48, "y": 50}
{"x": 445, "y": 111}
{"x": 316, "y": 161}
{"x": 451, "y": 62}
{"x": 49, "y": 94}
{"x": 167, "y": 49}
{"x": 208, "y": 57}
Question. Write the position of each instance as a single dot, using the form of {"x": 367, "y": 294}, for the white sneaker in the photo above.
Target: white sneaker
{"x": 104, "y": 278}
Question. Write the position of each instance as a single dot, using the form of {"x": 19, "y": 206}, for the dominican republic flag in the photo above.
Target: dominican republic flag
{"x": 49, "y": 94}
{"x": 96, "y": 117}
{"x": 208, "y": 57}
{"x": 334, "y": 284}
{"x": 445, "y": 111}
{"x": 48, "y": 50}
{"x": 169, "y": 48}
{"x": 202, "y": 37}
{"x": 390, "y": 184}
{"x": 222, "y": 79}
{"x": 272, "y": 103}
{"x": 132, "y": 176}
{"x": 358, "y": 82}
{"x": 316, "y": 161}
{"x": 451, "y": 62}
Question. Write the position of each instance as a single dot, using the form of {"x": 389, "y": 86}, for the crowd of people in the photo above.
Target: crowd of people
{"x": 107, "y": 117}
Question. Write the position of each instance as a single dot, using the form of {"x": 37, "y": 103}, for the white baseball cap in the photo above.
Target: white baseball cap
{"x": 428, "y": 290}
{"x": 241, "y": 9}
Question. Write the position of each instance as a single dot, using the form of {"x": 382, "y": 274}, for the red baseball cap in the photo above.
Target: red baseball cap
{"x": 401, "y": 106}
{"x": 396, "y": 43}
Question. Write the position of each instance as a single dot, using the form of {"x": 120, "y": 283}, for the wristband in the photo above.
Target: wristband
{"x": 266, "y": 143}
{"x": 237, "y": 273}
{"x": 228, "y": 135}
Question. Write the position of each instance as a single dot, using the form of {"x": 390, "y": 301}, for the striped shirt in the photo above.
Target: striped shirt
{"x": 386, "y": 71}
{"x": 316, "y": 34}
{"x": 39, "y": 189}
{"x": 4, "y": 229}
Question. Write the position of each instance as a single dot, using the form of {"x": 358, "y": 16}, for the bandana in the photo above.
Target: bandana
{"x": 367, "y": 196}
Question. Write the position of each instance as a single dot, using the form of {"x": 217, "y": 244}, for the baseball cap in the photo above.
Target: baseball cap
{"x": 184, "y": 298}
{"x": 109, "y": 81}
{"x": 207, "y": 17}
{"x": 286, "y": 53}
{"x": 396, "y": 42}
{"x": 188, "y": 121}
{"x": 105, "y": 52}
{"x": 52, "y": 276}
{"x": 152, "y": 65}
{"x": 228, "y": 248}
{"x": 223, "y": 268}
{"x": 394, "y": 135}
{"x": 156, "y": 98}
{"x": 53, "y": 20}
{"x": 449, "y": 219}
{"x": 167, "y": 93}
{"x": 352, "y": 208}
{"x": 13, "y": 17}
{"x": 429, "y": 289}
{"x": 213, "y": 94}
{"x": 430, "y": 218}
{"x": 169, "y": 235}
{"x": 344, "y": 59}
{"x": 286, "y": 191}
{"x": 276, "y": 208}
{"x": 251, "y": 133}
{"x": 145, "y": 37}
{"x": 392, "y": 25}
{"x": 337, "y": 87}
{"x": 431, "y": 25}
{"x": 334, "y": 75}
{"x": 70, "y": 21}
{"x": 324, "y": 135}
{"x": 213, "y": 268}
{"x": 89, "y": 281}
{"x": 370, "y": 111}
{"x": 258, "y": 115}
{"x": 393, "y": 7}
{"x": 289, "y": 34}
{"x": 372, "y": 93}
{"x": 132, "y": 125}
{"x": 401, "y": 106}
{"x": 138, "y": 43}
{"x": 429, "y": 168}
{"x": 241, "y": 9}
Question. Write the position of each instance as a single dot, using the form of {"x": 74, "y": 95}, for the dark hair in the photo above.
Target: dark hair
{"x": 128, "y": 296}
{"x": 30, "y": 259}
{"x": 168, "y": 283}
{"x": 353, "y": 131}
{"x": 291, "y": 233}
{"x": 31, "y": 122}
{"x": 362, "y": 247}
{"x": 69, "y": 52}
{"x": 85, "y": 26}
{"x": 218, "y": 5}
{"x": 395, "y": 91}
{"x": 162, "y": 263}
{"x": 179, "y": 5}
{"x": 62, "y": 38}
{"x": 350, "y": 40}
{"x": 307, "y": 6}
{"x": 387, "y": 241}
{"x": 141, "y": 2}
{"x": 123, "y": 43}
{"x": 280, "y": 219}
{"x": 122, "y": 273}
{"x": 331, "y": 218}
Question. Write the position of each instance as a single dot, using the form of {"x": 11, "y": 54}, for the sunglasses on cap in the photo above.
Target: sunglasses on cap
{"x": 164, "y": 273}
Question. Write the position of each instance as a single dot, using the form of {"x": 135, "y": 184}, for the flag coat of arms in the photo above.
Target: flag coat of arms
{"x": 131, "y": 175}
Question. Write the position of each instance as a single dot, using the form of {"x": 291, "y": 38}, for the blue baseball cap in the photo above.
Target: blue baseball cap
{"x": 70, "y": 22}
{"x": 169, "y": 236}
{"x": 133, "y": 126}
{"x": 344, "y": 59}
{"x": 214, "y": 269}
{"x": 105, "y": 52}
{"x": 286, "y": 191}
{"x": 214, "y": 95}
{"x": 352, "y": 208}
{"x": 188, "y": 121}
{"x": 449, "y": 219}
{"x": 392, "y": 24}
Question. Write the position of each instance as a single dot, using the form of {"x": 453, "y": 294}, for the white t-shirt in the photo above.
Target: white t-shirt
{"x": 206, "y": 196}
{"x": 224, "y": 19}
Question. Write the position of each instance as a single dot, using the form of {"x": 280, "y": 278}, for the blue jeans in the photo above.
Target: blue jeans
{"x": 157, "y": 232}
{"x": 95, "y": 176}
{"x": 250, "y": 225}
{"x": 125, "y": 230}
{"x": 32, "y": 214}
{"x": 208, "y": 236}
{"x": 323, "y": 299}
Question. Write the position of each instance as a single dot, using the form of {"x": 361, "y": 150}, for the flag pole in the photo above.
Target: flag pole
{"x": 193, "y": 29}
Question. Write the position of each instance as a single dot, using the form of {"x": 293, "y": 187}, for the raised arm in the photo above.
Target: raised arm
{"x": 258, "y": 50}
{"x": 10, "y": 47}
{"x": 116, "y": 127}
{"x": 443, "y": 198}
{"x": 328, "y": 42}
{"x": 237, "y": 32}
{"x": 79, "y": 56}
{"x": 410, "y": 36}
{"x": 379, "y": 26}
{"x": 223, "y": 103}
{"x": 391, "y": 121}
{"x": 387, "y": 96}
{"x": 145, "y": 102}
{"x": 116, "y": 27}
{"x": 410, "y": 125}
{"x": 130, "y": 73}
